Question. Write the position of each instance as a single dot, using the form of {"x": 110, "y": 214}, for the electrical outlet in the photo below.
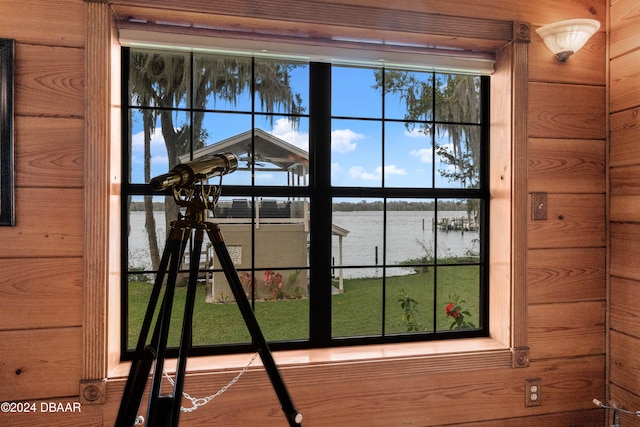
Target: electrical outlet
{"x": 532, "y": 392}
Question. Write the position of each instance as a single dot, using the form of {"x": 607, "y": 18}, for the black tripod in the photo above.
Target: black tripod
{"x": 164, "y": 410}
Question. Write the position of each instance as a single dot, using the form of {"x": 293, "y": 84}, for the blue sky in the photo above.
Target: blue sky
{"x": 356, "y": 144}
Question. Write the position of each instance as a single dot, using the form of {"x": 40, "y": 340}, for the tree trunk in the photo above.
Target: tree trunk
{"x": 171, "y": 209}
{"x": 149, "y": 220}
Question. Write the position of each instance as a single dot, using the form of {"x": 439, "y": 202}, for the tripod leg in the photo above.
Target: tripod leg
{"x": 293, "y": 417}
{"x": 159, "y": 408}
{"x": 187, "y": 326}
{"x": 143, "y": 357}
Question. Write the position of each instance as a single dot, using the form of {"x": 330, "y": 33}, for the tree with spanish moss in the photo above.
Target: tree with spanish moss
{"x": 452, "y": 101}
{"x": 159, "y": 82}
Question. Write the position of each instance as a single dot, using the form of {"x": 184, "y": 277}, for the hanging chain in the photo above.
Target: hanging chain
{"x": 201, "y": 401}
{"x": 208, "y": 197}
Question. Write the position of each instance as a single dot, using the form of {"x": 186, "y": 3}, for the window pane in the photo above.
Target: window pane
{"x": 408, "y": 95}
{"x": 409, "y": 301}
{"x": 234, "y": 217}
{"x": 147, "y": 231}
{"x": 280, "y": 153}
{"x": 408, "y": 156}
{"x": 458, "y": 225}
{"x": 458, "y": 156}
{"x": 282, "y": 235}
{"x": 410, "y": 233}
{"x": 156, "y": 151}
{"x": 354, "y": 93}
{"x": 225, "y": 132}
{"x": 284, "y": 313}
{"x": 159, "y": 79}
{"x": 458, "y": 98}
{"x": 458, "y": 291}
{"x": 217, "y": 317}
{"x": 223, "y": 83}
{"x": 358, "y": 230}
{"x": 222, "y": 131}
{"x": 217, "y": 321}
{"x": 356, "y": 153}
{"x": 358, "y": 310}
{"x": 138, "y": 291}
{"x": 357, "y": 242}
{"x": 281, "y": 87}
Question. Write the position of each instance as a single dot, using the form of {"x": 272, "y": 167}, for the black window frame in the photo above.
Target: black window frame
{"x": 7, "y": 167}
{"x": 320, "y": 193}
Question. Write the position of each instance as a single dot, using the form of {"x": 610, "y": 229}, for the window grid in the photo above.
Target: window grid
{"x": 319, "y": 191}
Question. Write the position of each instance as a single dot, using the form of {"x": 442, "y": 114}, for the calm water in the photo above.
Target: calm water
{"x": 407, "y": 233}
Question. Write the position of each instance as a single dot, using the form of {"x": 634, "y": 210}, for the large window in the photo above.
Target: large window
{"x": 358, "y": 212}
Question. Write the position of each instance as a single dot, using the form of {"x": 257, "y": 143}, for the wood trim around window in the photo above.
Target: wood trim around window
{"x": 321, "y": 22}
{"x": 508, "y": 187}
{"x": 102, "y": 191}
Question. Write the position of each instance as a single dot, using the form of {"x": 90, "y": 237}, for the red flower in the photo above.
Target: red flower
{"x": 452, "y": 310}
{"x": 455, "y": 310}
{"x": 449, "y": 308}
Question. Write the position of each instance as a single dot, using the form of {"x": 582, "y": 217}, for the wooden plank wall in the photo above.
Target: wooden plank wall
{"x": 41, "y": 259}
{"x": 624, "y": 172}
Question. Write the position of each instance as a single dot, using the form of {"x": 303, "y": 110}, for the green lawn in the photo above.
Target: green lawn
{"x": 356, "y": 312}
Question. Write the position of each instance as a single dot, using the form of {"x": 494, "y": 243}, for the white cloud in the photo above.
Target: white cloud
{"x": 335, "y": 167}
{"x": 342, "y": 140}
{"x": 358, "y": 172}
{"x": 391, "y": 170}
{"x": 424, "y": 154}
{"x": 157, "y": 140}
{"x": 285, "y": 130}
{"x": 158, "y": 149}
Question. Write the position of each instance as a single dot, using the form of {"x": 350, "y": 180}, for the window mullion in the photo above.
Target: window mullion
{"x": 320, "y": 203}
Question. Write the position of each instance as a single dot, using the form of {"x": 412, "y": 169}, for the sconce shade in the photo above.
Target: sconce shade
{"x": 565, "y": 38}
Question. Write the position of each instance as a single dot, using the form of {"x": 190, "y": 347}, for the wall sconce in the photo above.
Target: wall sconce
{"x": 565, "y": 38}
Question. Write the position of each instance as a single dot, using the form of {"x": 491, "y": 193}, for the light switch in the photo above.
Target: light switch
{"x": 538, "y": 206}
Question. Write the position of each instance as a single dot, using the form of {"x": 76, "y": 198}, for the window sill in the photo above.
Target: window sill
{"x": 463, "y": 354}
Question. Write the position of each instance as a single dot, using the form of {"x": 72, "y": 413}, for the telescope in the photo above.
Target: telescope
{"x": 184, "y": 174}
{"x": 188, "y": 230}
